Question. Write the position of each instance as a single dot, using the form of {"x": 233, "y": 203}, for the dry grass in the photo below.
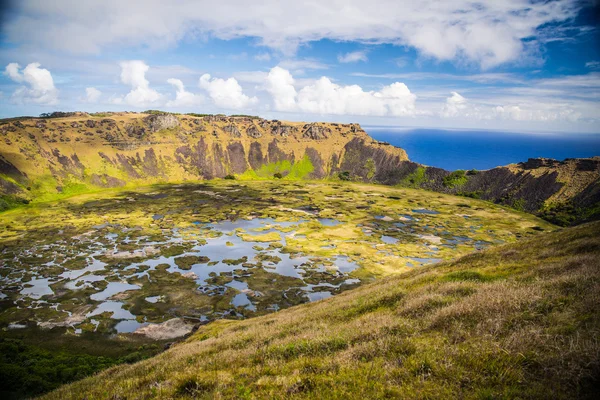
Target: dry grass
{"x": 516, "y": 321}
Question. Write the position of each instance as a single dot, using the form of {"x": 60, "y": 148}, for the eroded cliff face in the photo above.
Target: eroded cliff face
{"x": 45, "y": 158}
{"x": 47, "y": 155}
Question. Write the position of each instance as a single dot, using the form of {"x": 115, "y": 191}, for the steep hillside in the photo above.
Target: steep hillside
{"x": 50, "y": 156}
{"x": 42, "y": 159}
{"x": 515, "y": 321}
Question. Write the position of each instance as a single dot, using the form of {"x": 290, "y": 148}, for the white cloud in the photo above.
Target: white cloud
{"x": 299, "y": 65}
{"x": 280, "y": 85}
{"x": 257, "y": 77}
{"x": 226, "y": 93}
{"x": 263, "y": 57}
{"x": 485, "y": 33}
{"x": 12, "y": 71}
{"x": 326, "y": 97}
{"x": 455, "y": 105}
{"x": 353, "y": 57}
{"x": 183, "y": 98}
{"x": 592, "y": 64}
{"x": 92, "y": 95}
{"x": 41, "y": 88}
{"x": 133, "y": 73}
{"x": 540, "y": 111}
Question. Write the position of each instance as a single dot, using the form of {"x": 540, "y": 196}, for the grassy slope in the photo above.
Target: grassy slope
{"x": 519, "y": 320}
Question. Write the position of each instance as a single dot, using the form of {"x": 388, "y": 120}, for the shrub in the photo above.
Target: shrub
{"x": 456, "y": 178}
{"x": 344, "y": 176}
{"x": 232, "y": 177}
{"x": 277, "y": 175}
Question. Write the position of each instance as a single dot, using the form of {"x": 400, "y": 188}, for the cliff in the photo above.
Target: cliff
{"x": 42, "y": 159}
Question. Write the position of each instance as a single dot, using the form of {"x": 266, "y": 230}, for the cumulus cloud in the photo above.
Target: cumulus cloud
{"x": 40, "y": 85}
{"x": 326, "y": 97}
{"x": 486, "y": 33}
{"x": 92, "y": 95}
{"x": 183, "y": 98}
{"x": 455, "y": 105}
{"x": 458, "y": 106}
{"x": 133, "y": 73}
{"x": 353, "y": 57}
{"x": 12, "y": 71}
{"x": 280, "y": 85}
{"x": 226, "y": 93}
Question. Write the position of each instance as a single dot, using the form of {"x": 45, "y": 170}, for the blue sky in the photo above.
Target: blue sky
{"x": 508, "y": 64}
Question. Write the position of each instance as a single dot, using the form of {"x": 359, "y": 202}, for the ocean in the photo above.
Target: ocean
{"x": 468, "y": 149}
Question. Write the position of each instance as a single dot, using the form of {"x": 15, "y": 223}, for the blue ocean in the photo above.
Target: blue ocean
{"x": 468, "y": 149}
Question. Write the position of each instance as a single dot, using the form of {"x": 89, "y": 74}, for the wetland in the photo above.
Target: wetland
{"x": 135, "y": 269}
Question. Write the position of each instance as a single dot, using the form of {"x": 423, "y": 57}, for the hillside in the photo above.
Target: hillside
{"x": 44, "y": 159}
{"x": 515, "y": 321}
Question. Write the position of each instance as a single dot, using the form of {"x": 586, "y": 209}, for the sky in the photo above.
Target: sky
{"x": 515, "y": 65}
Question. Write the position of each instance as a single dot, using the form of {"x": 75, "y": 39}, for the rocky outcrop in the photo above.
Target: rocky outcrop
{"x": 232, "y": 130}
{"x": 158, "y": 122}
{"x": 316, "y": 132}
{"x": 171, "y": 329}
{"x": 253, "y": 132}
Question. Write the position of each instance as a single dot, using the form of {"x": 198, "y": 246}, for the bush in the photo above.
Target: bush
{"x": 456, "y": 178}
{"x": 344, "y": 176}
{"x": 57, "y": 114}
{"x": 232, "y": 177}
{"x": 277, "y": 175}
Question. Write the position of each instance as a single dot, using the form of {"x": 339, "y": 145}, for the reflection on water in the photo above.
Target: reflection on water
{"x": 233, "y": 261}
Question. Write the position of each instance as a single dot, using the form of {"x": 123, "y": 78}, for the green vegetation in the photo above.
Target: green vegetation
{"x": 567, "y": 214}
{"x": 198, "y": 115}
{"x": 455, "y": 178}
{"x": 415, "y": 179}
{"x": 371, "y": 169}
{"x": 344, "y": 176}
{"x": 29, "y": 370}
{"x": 245, "y": 116}
{"x": 230, "y": 177}
{"x": 472, "y": 195}
{"x": 514, "y": 321}
{"x": 284, "y": 169}
{"x": 8, "y": 202}
{"x": 518, "y": 204}
{"x": 57, "y": 114}
{"x": 158, "y": 112}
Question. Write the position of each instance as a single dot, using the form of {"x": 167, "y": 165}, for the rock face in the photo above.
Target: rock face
{"x": 316, "y": 132}
{"x": 140, "y": 149}
{"x": 233, "y": 130}
{"x": 159, "y": 122}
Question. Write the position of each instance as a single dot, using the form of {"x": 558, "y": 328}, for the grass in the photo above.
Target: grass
{"x": 520, "y": 320}
{"x": 287, "y": 170}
